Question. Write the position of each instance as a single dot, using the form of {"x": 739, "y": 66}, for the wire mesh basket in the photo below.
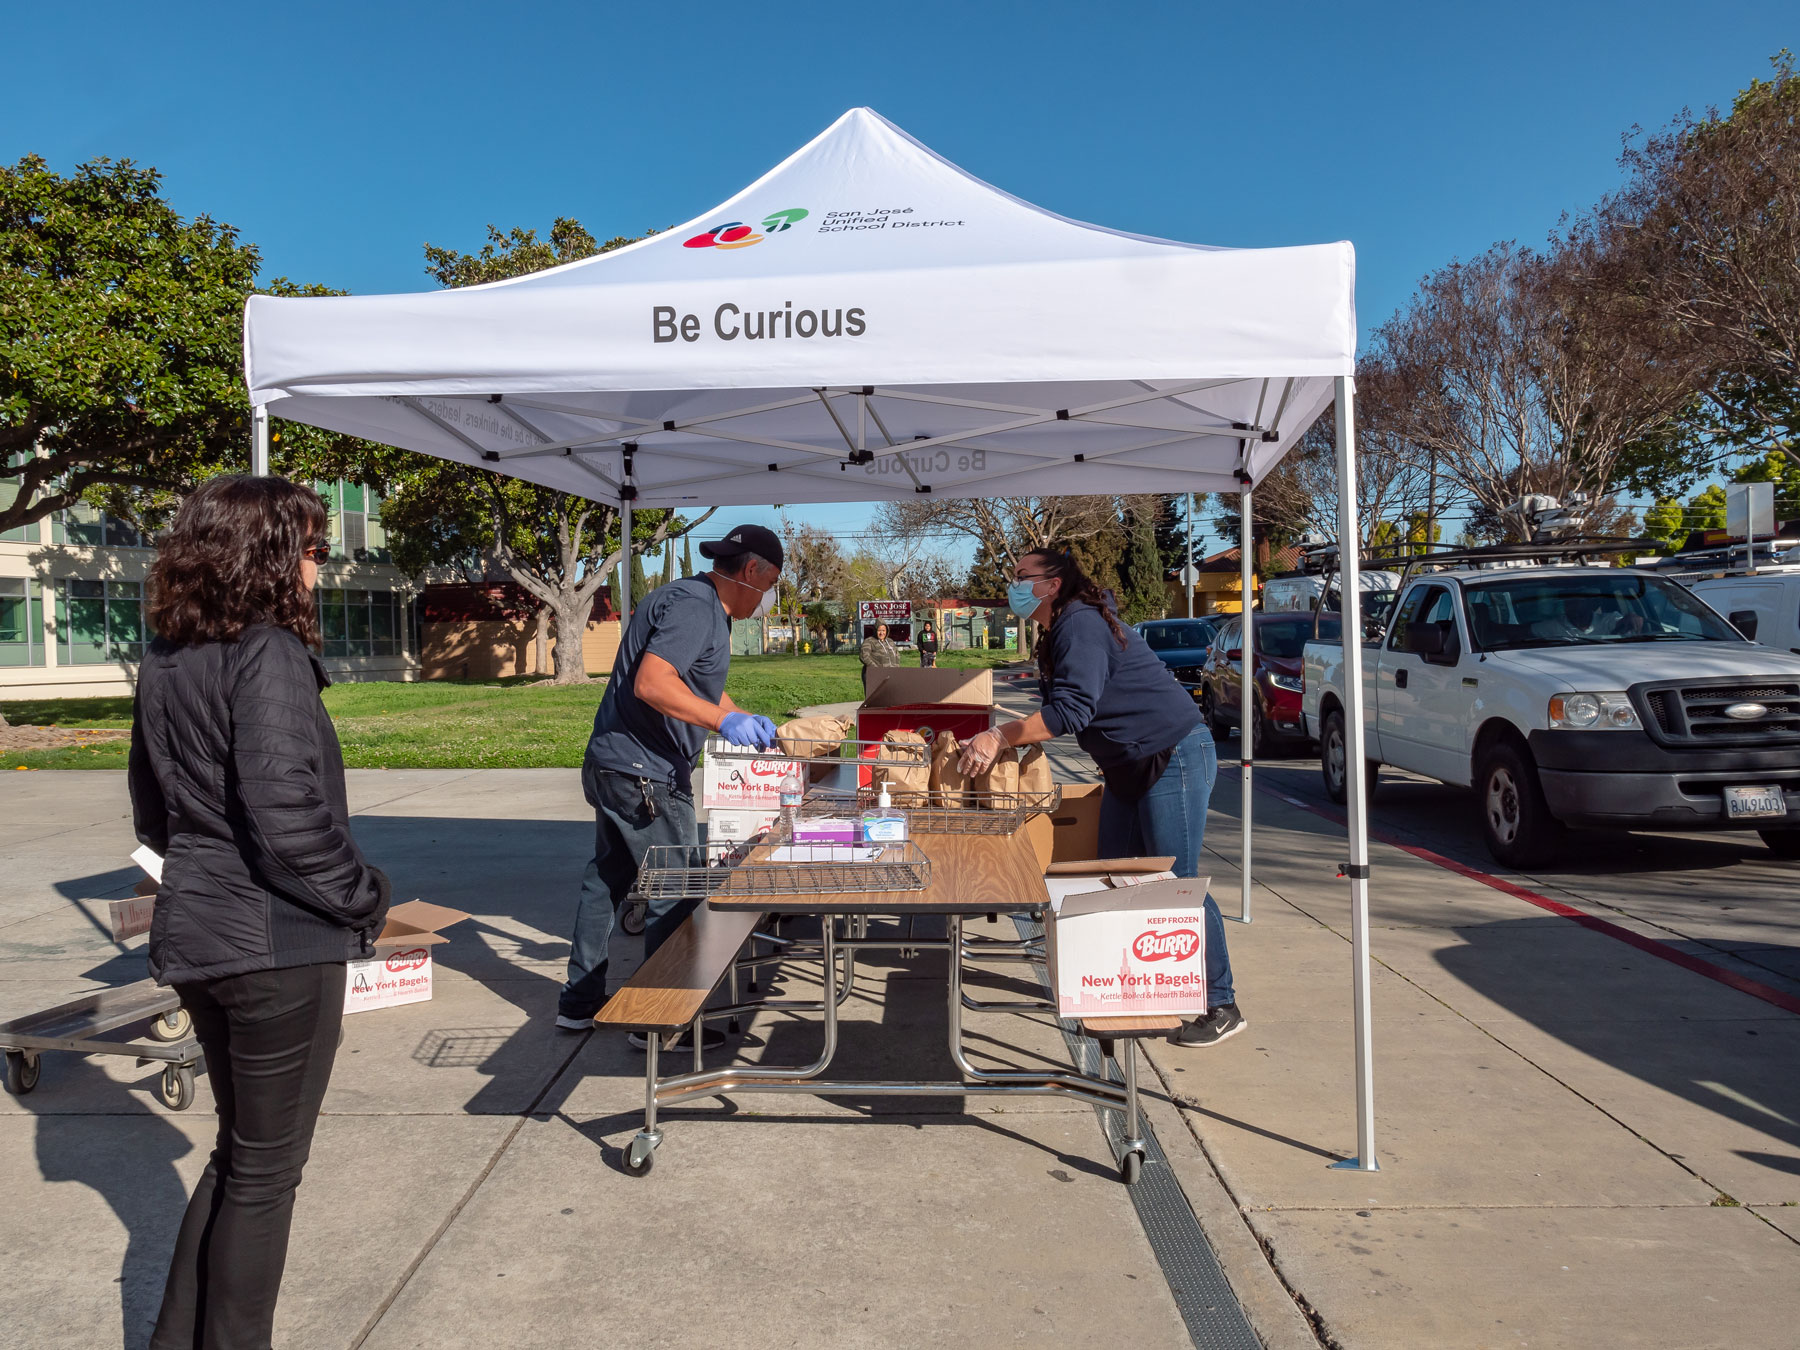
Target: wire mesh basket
{"x": 972, "y": 813}
{"x": 675, "y": 871}
{"x": 888, "y": 754}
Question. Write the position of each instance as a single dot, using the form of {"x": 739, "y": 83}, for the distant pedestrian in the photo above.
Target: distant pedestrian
{"x": 878, "y": 651}
{"x": 928, "y": 645}
{"x": 237, "y": 781}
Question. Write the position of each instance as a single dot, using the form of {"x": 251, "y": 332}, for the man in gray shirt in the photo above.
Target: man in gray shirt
{"x": 667, "y": 692}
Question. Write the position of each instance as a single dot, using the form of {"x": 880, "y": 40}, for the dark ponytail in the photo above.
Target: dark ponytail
{"x": 1077, "y": 588}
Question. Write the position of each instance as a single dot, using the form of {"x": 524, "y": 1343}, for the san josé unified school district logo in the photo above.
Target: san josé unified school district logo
{"x": 736, "y": 234}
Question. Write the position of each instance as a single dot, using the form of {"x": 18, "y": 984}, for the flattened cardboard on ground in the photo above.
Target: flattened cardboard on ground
{"x": 1130, "y": 950}
{"x": 930, "y": 700}
{"x": 1071, "y": 832}
{"x": 400, "y": 970}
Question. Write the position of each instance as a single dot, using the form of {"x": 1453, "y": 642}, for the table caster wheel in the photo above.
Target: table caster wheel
{"x": 172, "y": 1026}
{"x": 1130, "y": 1166}
{"x": 641, "y": 1156}
{"x": 177, "y": 1090}
{"x": 22, "y": 1071}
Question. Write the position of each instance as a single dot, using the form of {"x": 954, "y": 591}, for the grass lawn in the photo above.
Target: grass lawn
{"x": 448, "y": 724}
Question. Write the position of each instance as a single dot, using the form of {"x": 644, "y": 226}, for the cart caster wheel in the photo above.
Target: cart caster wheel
{"x": 22, "y": 1071}
{"x": 641, "y": 1156}
{"x": 633, "y": 916}
{"x": 172, "y": 1026}
{"x": 1130, "y": 1166}
{"x": 177, "y": 1089}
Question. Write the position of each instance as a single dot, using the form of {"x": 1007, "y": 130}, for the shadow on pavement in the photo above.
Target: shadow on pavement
{"x": 128, "y": 1159}
{"x": 1737, "y": 1070}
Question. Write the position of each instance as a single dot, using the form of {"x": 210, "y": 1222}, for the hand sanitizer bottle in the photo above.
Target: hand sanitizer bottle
{"x": 883, "y": 824}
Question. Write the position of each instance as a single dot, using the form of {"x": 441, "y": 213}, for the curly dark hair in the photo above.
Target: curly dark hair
{"x": 232, "y": 559}
{"x": 1077, "y": 588}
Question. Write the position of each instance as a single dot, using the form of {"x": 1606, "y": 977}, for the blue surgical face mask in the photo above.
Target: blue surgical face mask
{"x": 1022, "y": 598}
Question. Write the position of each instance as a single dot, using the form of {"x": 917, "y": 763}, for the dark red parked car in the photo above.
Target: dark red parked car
{"x": 1280, "y": 644}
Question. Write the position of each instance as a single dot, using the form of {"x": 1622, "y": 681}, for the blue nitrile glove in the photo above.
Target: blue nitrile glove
{"x": 742, "y": 728}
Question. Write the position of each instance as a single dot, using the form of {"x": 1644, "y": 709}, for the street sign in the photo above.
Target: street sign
{"x": 1749, "y": 510}
{"x": 1190, "y": 575}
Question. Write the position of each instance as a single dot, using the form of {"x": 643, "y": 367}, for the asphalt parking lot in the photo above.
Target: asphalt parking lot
{"x": 1720, "y": 896}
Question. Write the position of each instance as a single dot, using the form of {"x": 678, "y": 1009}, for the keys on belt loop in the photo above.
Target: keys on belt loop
{"x": 649, "y": 798}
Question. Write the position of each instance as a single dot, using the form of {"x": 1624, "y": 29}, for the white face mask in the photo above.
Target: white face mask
{"x": 763, "y": 605}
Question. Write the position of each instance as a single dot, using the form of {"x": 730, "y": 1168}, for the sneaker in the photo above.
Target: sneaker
{"x": 710, "y": 1039}
{"x": 567, "y": 1023}
{"x": 1219, "y": 1024}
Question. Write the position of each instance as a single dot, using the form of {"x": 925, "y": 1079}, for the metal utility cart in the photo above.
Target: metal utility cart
{"x": 78, "y": 1026}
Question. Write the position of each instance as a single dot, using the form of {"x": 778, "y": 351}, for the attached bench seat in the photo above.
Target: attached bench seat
{"x": 671, "y": 988}
{"x": 1107, "y": 1030}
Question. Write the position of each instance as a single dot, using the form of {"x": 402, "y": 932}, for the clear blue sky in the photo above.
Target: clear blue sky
{"x": 342, "y": 137}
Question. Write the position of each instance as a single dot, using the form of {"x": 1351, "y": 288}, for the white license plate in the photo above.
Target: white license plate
{"x": 1742, "y": 803}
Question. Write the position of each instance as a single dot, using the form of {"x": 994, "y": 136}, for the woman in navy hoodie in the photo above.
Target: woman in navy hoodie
{"x": 1100, "y": 682}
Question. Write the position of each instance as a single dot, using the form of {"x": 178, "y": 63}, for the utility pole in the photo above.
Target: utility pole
{"x": 1187, "y": 576}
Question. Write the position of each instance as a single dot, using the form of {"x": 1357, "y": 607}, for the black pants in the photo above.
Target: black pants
{"x": 269, "y": 1038}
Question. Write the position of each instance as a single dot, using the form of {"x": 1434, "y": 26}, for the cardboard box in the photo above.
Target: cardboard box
{"x": 1098, "y": 874}
{"x": 1125, "y": 951}
{"x": 1072, "y": 831}
{"x": 741, "y": 783}
{"x": 400, "y": 970}
{"x": 928, "y": 700}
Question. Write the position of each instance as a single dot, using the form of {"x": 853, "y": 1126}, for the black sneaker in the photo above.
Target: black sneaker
{"x": 710, "y": 1039}
{"x": 1219, "y": 1023}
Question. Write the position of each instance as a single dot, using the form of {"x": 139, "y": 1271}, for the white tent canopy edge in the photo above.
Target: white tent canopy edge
{"x": 866, "y": 321}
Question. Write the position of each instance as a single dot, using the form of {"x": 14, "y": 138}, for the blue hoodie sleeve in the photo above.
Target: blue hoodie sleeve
{"x": 1080, "y": 648}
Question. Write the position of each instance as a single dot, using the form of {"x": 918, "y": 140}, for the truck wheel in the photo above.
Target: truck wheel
{"x": 1782, "y": 843}
{"x": 1332, "y": 752}
{"x": 1515, "y": 821}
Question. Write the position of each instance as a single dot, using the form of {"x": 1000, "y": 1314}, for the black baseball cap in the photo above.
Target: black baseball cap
{"x": 741, "y": 539}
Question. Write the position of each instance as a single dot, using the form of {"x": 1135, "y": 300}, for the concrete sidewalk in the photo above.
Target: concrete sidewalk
{"x": 1560, "y": 1120}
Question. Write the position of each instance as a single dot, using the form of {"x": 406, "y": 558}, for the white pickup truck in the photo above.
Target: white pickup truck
{"x": 1572, "y": 695}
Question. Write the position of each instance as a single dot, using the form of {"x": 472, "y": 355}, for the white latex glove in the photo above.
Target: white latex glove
{"x": 979, "y": 753}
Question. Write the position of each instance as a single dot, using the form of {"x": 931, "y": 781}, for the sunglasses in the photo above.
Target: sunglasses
{"x": 317, "y": 553}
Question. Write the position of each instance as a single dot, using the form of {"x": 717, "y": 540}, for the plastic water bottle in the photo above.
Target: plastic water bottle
{"x": 791, "y": 792}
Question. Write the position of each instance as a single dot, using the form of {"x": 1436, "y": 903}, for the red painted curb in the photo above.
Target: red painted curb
{"x": 1654, "y": 946}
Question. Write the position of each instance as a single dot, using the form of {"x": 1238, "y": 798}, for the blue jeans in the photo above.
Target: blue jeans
{"x": 1171, "y": 819}
{"x": 630, "y": 816}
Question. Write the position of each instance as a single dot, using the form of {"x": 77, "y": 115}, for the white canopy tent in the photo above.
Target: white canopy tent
{"x": 865, "y": 321}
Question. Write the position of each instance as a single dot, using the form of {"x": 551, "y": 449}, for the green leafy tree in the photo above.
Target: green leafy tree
{"x": 560, "y": 548}
{"x": 1143, "y": 585}
{"x": 687, "y": 555}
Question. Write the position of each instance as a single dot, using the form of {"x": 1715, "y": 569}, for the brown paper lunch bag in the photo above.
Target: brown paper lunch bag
{"x": 1035, "y": 781}
{"x": 907, "y": 784}
{"x": 812, "y": 736}
{"x": 949, "y": 784}
{"x": 998, "y": 788}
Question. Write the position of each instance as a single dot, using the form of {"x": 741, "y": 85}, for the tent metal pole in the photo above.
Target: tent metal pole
{"x": 259, "y": 442}
{"x": 1356, "y": 779}
{"x": 1187, "y": 577}
{"x": 625, "y": 561}
{"x": 1246, "y": 691}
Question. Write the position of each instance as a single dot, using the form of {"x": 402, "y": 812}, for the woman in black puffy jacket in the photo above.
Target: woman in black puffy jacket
{"x": 237, "y": 781}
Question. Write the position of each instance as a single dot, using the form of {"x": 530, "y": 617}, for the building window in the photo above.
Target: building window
{"x": 21, "y": 622}
{"x": 360, "y": 623}
{"x": 82, "y": 524}
{"x": 100, "y": 621}
{"x": 356, "y": 529}
{"x": 9, "y": 493}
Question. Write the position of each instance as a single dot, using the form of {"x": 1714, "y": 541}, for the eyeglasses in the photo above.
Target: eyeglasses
{"x": 317, "y": 553}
